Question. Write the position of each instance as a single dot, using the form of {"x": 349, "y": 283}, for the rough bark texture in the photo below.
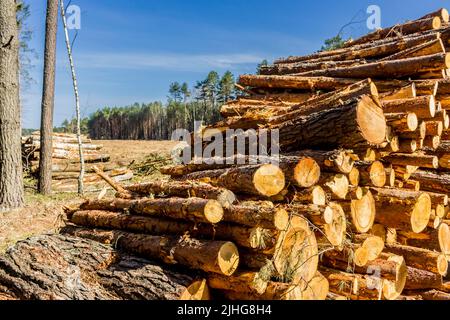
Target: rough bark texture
{"x": 48, "y": 99}
{"x": 11, "y": 184}
{"x": 57, "y": 267}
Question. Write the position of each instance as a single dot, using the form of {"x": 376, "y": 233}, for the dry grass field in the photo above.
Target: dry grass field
{"x": 44, "y": 214}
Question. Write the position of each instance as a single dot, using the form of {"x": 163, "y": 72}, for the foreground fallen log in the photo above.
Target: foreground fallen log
{"x": 78, "y": 269}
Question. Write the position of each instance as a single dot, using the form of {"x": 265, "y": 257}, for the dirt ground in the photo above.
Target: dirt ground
{"x": 43, "y": 214}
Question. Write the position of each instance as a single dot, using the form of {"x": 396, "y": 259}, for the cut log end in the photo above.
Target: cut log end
{"x": 377, "y": 174}
{"x": 269, "y": 180}
{"x": 319, "y": 197}
{"x": 353, "y": 177}
{"x": 392, "y": 289}
{"x": 444, "y": 238}
{"x": 281, "y": 219}
{"x": 363, "y": 212}
{"x": 336, "y": 227}
{"x": 374, "y": 246}
{"x": 307, "y": 173}
{"x": 442, "y": 265}
{"x": 228, "y": 258}
{"x": 213, "y": 211}
{"x": 420, "y": 216}
{"x": 371, "y": 120}
{"x": 198, "y": 290}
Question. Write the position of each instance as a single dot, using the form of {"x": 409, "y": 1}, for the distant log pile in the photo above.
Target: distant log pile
{"x": 66, "y": 162}
{"x": 356, "y": 206}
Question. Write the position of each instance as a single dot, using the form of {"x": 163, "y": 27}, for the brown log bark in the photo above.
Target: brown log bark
{"x": 432, "y": 23}
{"x": 432, "y": 181}
{"x": 242, "y": 236}
{"x": 330, "y": 219}
{"x": 210, "y": 256}
{"x": 420, "y": 160}
{"x": 418, "y": 279}
{"x": 249, "y": 283}
{"x": 402, "y": 209}
{"x": 350, "y": 126}
{"x": 423, "y": 107}
{"x": 183, "y": 189}
{"x": 387, "y": 69}
{"x": 314, "y": 195}
{"x": 432, "y": 239}
{"x": 420, "y": 258}
{"x": 294, "y": 82}
{"x": 424, "y": 49}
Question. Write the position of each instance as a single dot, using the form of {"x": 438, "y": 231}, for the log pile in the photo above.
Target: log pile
{"x": 355, "y": 207}
{"x": 66, "y": 162}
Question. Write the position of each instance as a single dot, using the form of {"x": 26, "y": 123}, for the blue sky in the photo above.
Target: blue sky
{"x": 131, "y": 50}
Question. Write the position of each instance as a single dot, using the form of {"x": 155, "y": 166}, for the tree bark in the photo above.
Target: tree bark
{"x": 57, "y": 267}
{"x": 11, "y": 184}
{"x": 48, "y": 98}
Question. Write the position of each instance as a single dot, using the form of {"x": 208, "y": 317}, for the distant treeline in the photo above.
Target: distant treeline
{"x": 157, "y": 120}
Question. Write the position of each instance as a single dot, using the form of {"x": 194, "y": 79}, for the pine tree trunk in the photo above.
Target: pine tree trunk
{"x": 11, "y": 184}
{"x": 48, "y": 98}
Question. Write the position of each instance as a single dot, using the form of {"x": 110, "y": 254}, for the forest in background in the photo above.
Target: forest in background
{"x": 157, "y": 120}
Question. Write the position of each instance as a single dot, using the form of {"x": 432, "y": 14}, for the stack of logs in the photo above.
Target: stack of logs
{"x": 66, "y": 162}
{"x": 356, "y": 206}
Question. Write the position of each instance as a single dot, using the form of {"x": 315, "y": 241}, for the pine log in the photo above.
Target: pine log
{"x": 274, "y": 291}
{"x": 435, "y": 295}
{"x": 294, "y": 82}
{"x": 406, "y": 92}
{"x": 210, "y": 256}
{"x": 330, "y": 219}
{"x": 432, "y": 239}
{"x": 361, "y": 211}
{"x": 441, "y": 14}
{"x": 426, "y": 87}
{"x": 433, "y": 182}
{"x": 242, "y": 236}
{"x": 434, "y": 128}
{"x": 383, "y": 47}
{"x": 191, "y": 209}
{"x": 350, "y": 126}
{"x": 420, "y": 258}
{"x": 423, "y": 107}
{"x": 183, "y": 189}
{"x": 402, "y": 209}
{"x": 418, "y": 279}
{"x": 372, "y": 174}
{"x": 420, "y": 160}
{"x": 245, "y": 282}
{"x": 387, "y": 69}
{"x": 257, "y": 216}
{"x": 261, "y": 180}
{"x": 432, "y": 23}
{"x": 314, "y": 195}
{"x": 354, "y": 177}
{"x": 337, "y": 185}
{"x": 423, "y": 49}
{"x": 401, "y": 122}
{"x": 337, "y": 161}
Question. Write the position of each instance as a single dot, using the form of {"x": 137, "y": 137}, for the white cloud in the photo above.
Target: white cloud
{"x": 174, "y": 62}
